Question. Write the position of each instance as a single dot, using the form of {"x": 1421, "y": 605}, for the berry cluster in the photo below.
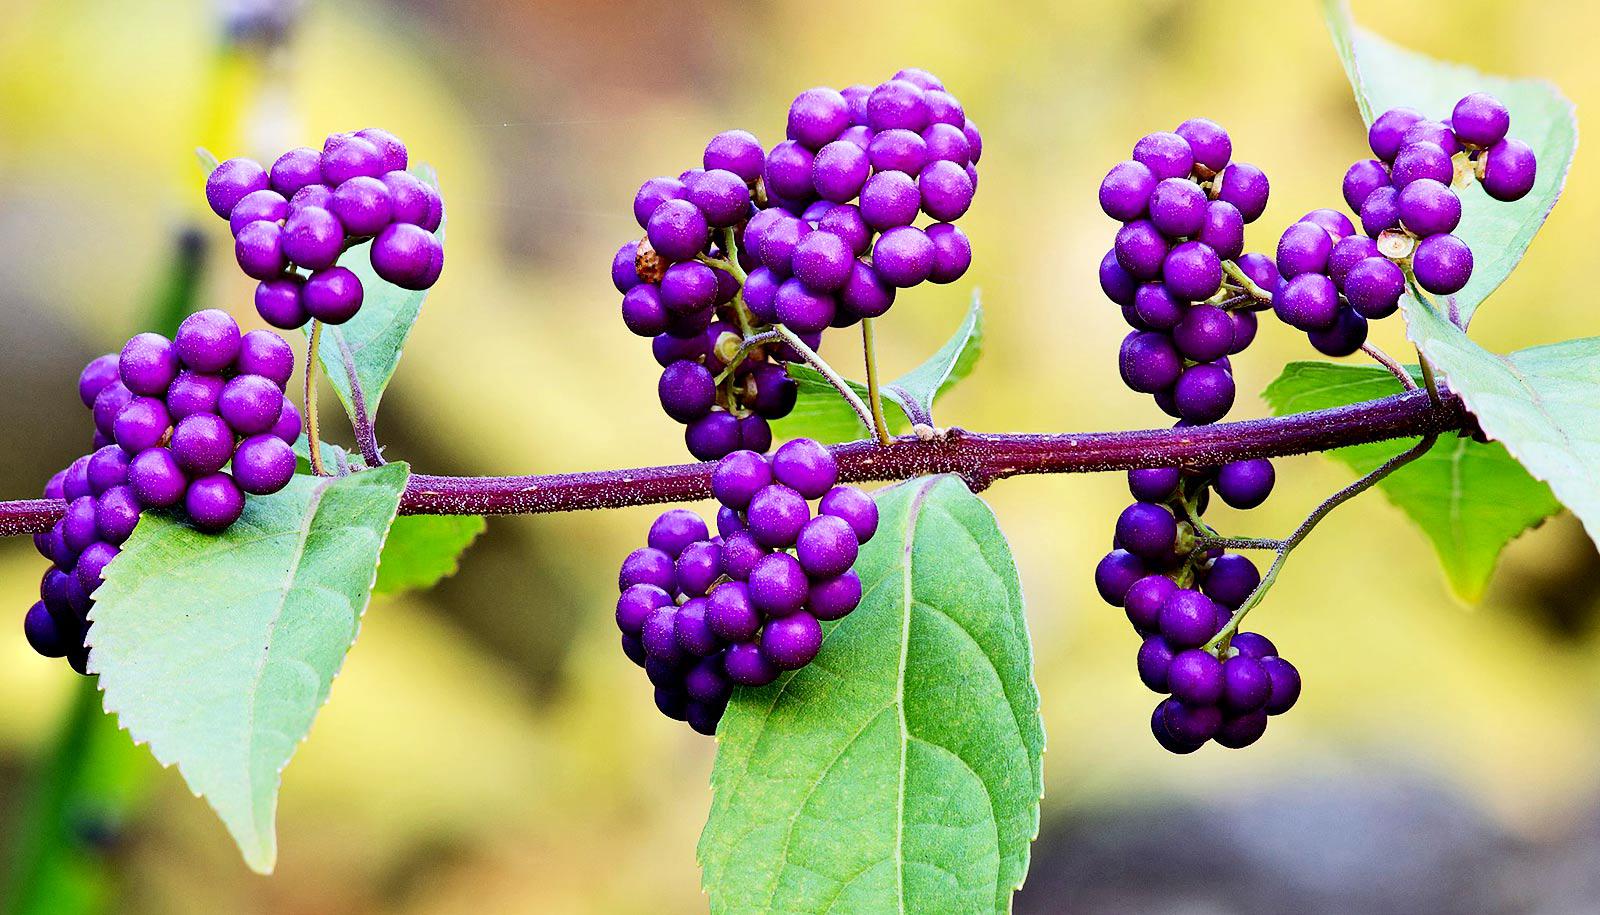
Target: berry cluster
{"x": 1179, "y": 597}
{"x": 702, "y": 613}
{"x": 1183, "y": 205}
{"x": 1333, "y": 280}
{"x": 818, "y": 232}
{"x": 311, "y": 207}
{"x": 169, "y": 415}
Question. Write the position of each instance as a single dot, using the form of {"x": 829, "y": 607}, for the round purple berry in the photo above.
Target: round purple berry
{"x": 1443, "y": 264}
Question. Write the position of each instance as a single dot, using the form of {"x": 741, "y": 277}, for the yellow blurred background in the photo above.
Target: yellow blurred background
{"x": 488, "y": 748}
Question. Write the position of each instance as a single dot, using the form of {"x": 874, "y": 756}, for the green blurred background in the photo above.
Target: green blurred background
{"x": 488, "y": 748}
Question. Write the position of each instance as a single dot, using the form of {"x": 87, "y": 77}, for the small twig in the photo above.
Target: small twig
{"x": 878, "y": 424}
{"x": 1388, "y": 362}
{"x": 827, "y": 371}
{"x": 1237, "y": 274}
{"x": 362, "y": 422}
{"x": 745, "y": 346}
{"x": 313, "y": 440}
{"x": 1220, "y": 641}
{"x": 1238, "y": 543}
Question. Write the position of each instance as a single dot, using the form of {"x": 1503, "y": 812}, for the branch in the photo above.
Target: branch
{"x": 361, "y": 423}
{"x": 978, "y": 458}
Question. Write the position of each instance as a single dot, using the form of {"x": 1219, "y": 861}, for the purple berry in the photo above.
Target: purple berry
{"x": 1223, "y": 229}
{"x": 1203, "y": 393}
{"x": 834, "y": 598}
{"x": 1285, "y": 685}
{"x": 98, "y": 375}
{"x": 263, "y": 464}
{"x": 778, "y": 585}
{"x": 332, "y": 296}
{"x": 817, "y": 116}
{"x": 213, "y": 502}
{"x": 826, "y": 547}
{"x": 251, "y": 404}
{"x": 1480, "y": 120}
{"x": 806, "y": 467}
{"x": 1126, "y": 190}
{"x": 855, "y": 507}
{"x": 678, "y": 230}
{"x": 737, "y": 151}
{"x": 44, "y": 636}
{"x": 647, "y": 566}
{"x": 1348, "y": 332}
{"x": 1154, "y": 662}
{"x": 1304, "y": 248}
{"x": 1509, "y": 170}
{"x": 1384, "y": 136}
{"x": 1147, "y": 530}
{"x": 698, "y": 566}
{"x": 1347, "y": 252}
{"x": 738, "y": 477}
{"x": 289, "y": 424}
{"x": 1116, "y": 573}
{"x": 822, "y": 261}
{"x": 264, "y": 353}
{"x": 729, "y": 613}
{"x": 1154, "y": 484}
{"x": 156, "y": 479}
{"x": 147, "y": 365}
{"x": 1210, "y": 144}
{"x": 1240, "y": 731}
{"x": 1231, "y": 579}
{"x": 1188, "y": 618}
{"x": 1245, "y": 484}
{"x": 1166, "y": 154}
{"x": 787, "y": 174}
{"x": 1148, "y": 362}
{"x": 1157, "y": 307}
{"x": 1374, "y": 286}
{"x": 1361, "y": 179}
{"x": 296, "y": 169}
{"x": 230, "y": 181}
{"x": 408, "y": 256}
{"x": 202, "y": 443}
{"x": 1195, "y": 677}
{"x": 257, "y": 205}
{"x": 890, "y": 199}
{"x": 1428, "y": 207}
{"x": 1245, "y": 685}
{"x": 802, "y": 310}
{"x": 1204, "y": 334}
{"x": 1246, "y": 187}
{"x": 776, "y": 516}
{"x": 1381, "y": 211}
{"x": 675, "y": 529}
{"x": 897, "y": 103}
{"x": 413, "y": 202}
{"x": 946, "y": 190}
{"x": 791, "y": 642}
{"x": 1253, "y": 645}
{"x": 903, "y": 256}
{"x": 1443, "y": 264}
{"x": 106, "y": 468}
{"x": 1309, "y": 301}
{"x": 1141, "y": 249}
{"x": 142, "y": 424}
{"x": 712, "y": 436}
{"x": 259, "y": 250}
{"x": 1421, "y": 160}
{"x": 747, "y": 666}
{"x": 1178, "y": 207}
{"x": 1145, "y": 599}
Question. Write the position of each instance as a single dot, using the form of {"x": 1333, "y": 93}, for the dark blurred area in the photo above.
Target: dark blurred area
{"x": 487, "y": 748}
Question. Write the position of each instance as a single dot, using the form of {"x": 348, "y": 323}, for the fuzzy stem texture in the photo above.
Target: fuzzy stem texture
{"x": 978, "y": 458}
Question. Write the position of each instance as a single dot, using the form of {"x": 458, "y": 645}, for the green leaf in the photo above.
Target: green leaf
{"x": 1543, "y": 403}
{"x": 422, "y": 550}
{"x": 377, "y": 334}
{"x": 822, "y": 414}
{"x": 333, "y": 457}
{"x": 218, "y": 651}
{"x": 1386, "y": 76}
{"x": 901, "y": 770}
{"x": 1469, "y": 498}
{"x": 916, "y": 390}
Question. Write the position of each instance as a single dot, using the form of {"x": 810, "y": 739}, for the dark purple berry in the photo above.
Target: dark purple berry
{"x": 1210, "y": 144}
{"x": 1246, "y": 187}
{"x": 747, "y": 666}
{"x": 230, "y": 181}
{"x": 826, "y": 547}
{"x": 737, "y": 151}
{"x": 1145, "y": 599}
{"x": 778, "y": 585}
{"x": 1203, "y": 393}
{"x": 675, "y": 529}
{"x": 730, "y": 614}
{"x": 333, "y": 295}
{"x": 251, "y": 404}
{"x": 1147, "y": 530}
{"x": 1443, "y": 264}
{"x": 1428, "y": 207}
{"x": 698, "y": 567}
{"x": 1245, "y": 685}
{"x": 855, "y": 507}
{"x": 1245, "y": 484}
{"x": 1192, "y": 271}
{"x": 1148, "y": 362}
{"x": 1285, "y": 685}
{"x": 1141, "y": 249}
{"x": 806, "y": 467}
{"x": 1509, "y": 170}
{"x": 791, "y": 642}
{"x": 263, "y": 465}
{"x": 156, "y": 478}
{"x": 687, "y": 391}
{"x": 1240, "y": 731}
{"x": 1384, "y": 136}
{"x": 142, "y": 424}
{"x": 1195, "y": 677}
{"x": 1116, "y": 573}
{"x": 408, "y": 256}
{"x": 834, "y": 598}
{"x": 1253, "y": 645}
{"x": 1188, "y": 618}
{"x": 213, "y": 502}
{"x": 1361, "y": 179}
{"x": 1421, "y": 160}
{"x": 1304, "y": 248}
{"x": 1177, "y": 207}
{"x": 1309, "y": 301}
{"x": 1348, "y": 332}
{"x": 1231, "y": 579}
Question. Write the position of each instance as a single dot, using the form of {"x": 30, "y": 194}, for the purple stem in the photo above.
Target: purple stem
{"x": 978, "y": 458}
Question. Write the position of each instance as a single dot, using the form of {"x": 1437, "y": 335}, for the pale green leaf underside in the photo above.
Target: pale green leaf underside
{"x": 377, "y": 334}
{"x": 820, "y": 412}
{"x": 422, "y": 550}
{"x": 1387, "y": 76}
{"x": 218, "y": 651}
{"x": 900, "y": 771}
{"x": 1543, "y": 403}
{"x": 1469, "y": 498}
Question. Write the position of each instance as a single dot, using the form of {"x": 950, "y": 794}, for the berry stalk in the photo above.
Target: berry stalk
{"x": 1219, "y": 643}
{"x": 315, "y": 450}
{"x": 880, "y": 427}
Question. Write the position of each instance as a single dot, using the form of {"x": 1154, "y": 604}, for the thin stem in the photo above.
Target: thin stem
{"x": 828, "y": 372}
{"x": 977, "y": 458}
{"x": 362, "y": 424}
{"x": 730, "y": 250}
{"x": 878, "y": 424}
{"x": 1221, "y": 639}
{"x": 745, "y": 346}
{"x": 1237, "y": 274}
{"x": 1388, "y": 362}
{"x": 312, "y": 438}
{"x": 1239, "y": 543}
